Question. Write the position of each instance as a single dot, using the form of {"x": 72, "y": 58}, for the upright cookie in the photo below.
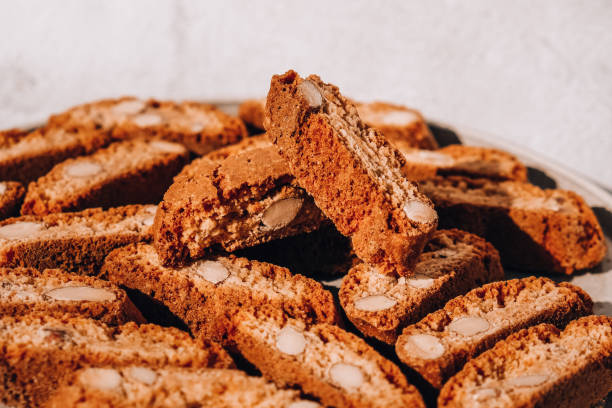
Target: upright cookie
{"x": 137, "y": 386}
{"x": 469, "y": 161}
{"x": 207, "y": 293}
{"x": 135, "y": 171}
{"x": 440, "y": 344}
{"x": 246, "y": 199}
{"x": 533, "y": 229}
{"x": 399, "y": 124}
{"x": 38, "y": 352}
{"x": 75, "y": 242}
{"x": 199, "y": 127}
{"x": 453, "y": 263}
{"x": 55, "y": 293}
{"x": 538, "y": 367}
{"x": 352, "y": 172}
{"x": 11, "y": 197}
{"x": 323, "y": 360}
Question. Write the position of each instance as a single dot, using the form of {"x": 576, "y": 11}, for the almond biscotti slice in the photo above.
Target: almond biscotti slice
{"x": 253, "y": 142}
{"x": 137, "y": 171}
{"x": 337, "y": 367}
{"x": 199, "y": 127}
{"x": 352, "y": 172}
{"x": 207, "y": 293}
{"x": 26, "y": 156}
{"x": 453, "y": 263}
{"x": 38, "y": 352}
{"x": 441, "y": 343}
{"x": 538, "y": 367}
{"x": 137, "y": 386}
{"x": 398, "y": 124}
{"x": 469, "y": 161}
{"x": 246, "y": 199}
{"x": 75, "y": 242}
{"x": 55, "y": 293}
{"x": 253, "y": 113}
{"x": 533, "y": 229}
{"x": 11, "y": 197}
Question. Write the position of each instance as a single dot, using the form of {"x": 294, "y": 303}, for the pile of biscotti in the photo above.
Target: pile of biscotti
{"x": 314, "y": 251}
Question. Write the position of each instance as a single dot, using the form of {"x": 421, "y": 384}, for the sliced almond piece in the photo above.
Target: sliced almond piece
{"x": 81, "y": 293}
{"x": 143, "y": 374}
{"x": 427, "y": 157}
{"x": 280, "y": 213}
{"x": 397, "y": 118}
{"x": 20, "y": 230}
{"x": 311, "y": 93}
{"x": 304, "y": 404}
{"x": 375, "y": 303}
{"x": 168, "y": 147}
{"x": 129, "y": 107}
{"x": 346, "y": 375}
{"x": 106, "y": 379}
{"x": 469, "y": 326}
{"x": 419, "y": 212}
{"x": 197, "y": 127}
{"x": 147, "y": 119}
{"x": 2, "y": 188}
{"x": 424, "y": 346}
{"x": 213, "y": 271}
{"x": 290, "y": 341}
{"x": 485, "y": 394}
{"x": 531, "y": 380}
{"x": 83, "y": 169}
{"x": 420, "y": 281}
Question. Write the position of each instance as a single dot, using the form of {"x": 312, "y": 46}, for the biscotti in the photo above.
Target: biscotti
{"x": 253, "y": 113}
{"x": 75, "y": 242}
{"x": 538, "y": 367}
{"x": 136, "y": 171}
{"x": 199, "y": 127}
{"x": 207, "y": 293}
{"x": 38, "y": 352}
{"x": 468, "y": 161}
{"x": 11, "y": 197}
{"x": 337, "y": 367}
{"x": 440, "y": 344}
{"x": 453, "y": 263}
{"x": 246, "y": 199}
{"x": 533, "y": 229}
{"x": 352, "y": 172}
{"x": 137, "y": 386}
{"x": 398, "y": 124}
{"x": 253, "y": 142}
{"x": 26, "y": 156}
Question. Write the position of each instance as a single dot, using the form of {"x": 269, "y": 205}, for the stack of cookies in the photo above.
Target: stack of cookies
{"x": 314, "y": 251}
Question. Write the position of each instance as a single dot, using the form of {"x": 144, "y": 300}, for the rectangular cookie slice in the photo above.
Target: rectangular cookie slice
{"x": 398, "y": 124}
{"x": 533, "y": 229}
{"x": 538, "y": 367}
{"x": 207, "y": 293}
{"x": 55, "y": 293}
{"x": 11, "y": 197}
{"x": 136, "y": 386}
{"x": 352, "y": 172}
{"x": 137, "y": 171}
{"x": 38, "y": 352}
{"x": 335, "y": 366}
{"x": 441, "y": 343}
{"x": 246, "y": 199}
{"x": 468, "y": 161}
{"x": 75, "y": 242}
{"x": 199, "y": 127}
{"x": 453, "y": 263}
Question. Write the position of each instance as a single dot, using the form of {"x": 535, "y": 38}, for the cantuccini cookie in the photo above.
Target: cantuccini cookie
{"x": 39, "y": 352}
{"x": 352, "y": 172}
{"x": 337, "y": 367}
{"x": 136, "y": 171}
{"x": 26, "y": 156}
{"x": 11, "y": 197}
{"x": 440, "y": 344}
{"x": 207, "y": 293}
{"x": 246, "y": 199}
{"x": 533, "y": 229}
{"x": 398, "y": 124}
{"x": 253, "y": 113}
{"x": 538, "y": 367}
{"x": 55, "y": 293}
{"x": 453, "y": 263}
{"x": 199, "y": 127}
{"x": 469, "y": 161}
{"x": 253, "y": 142}
{"x": 75, "y": 242}
{"x": 138, "y": 386}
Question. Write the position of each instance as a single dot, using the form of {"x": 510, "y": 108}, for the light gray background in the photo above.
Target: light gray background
{"x": 538, "y": 73}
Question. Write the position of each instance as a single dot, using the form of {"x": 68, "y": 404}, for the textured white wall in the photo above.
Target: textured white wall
{"x": 538, "y": 73}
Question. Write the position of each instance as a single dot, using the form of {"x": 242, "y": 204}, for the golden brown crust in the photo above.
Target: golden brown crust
{"x": 10, "y": 198}
{"x": 207, "y": 307}
{"x": 352, "y": 172}
{"x": 452, "y": 263}
{"x": 534, "y": 229}
{"x": 572, "y": 368}
{"x": 507, "y": 307}
{"x": 253, "y": 142}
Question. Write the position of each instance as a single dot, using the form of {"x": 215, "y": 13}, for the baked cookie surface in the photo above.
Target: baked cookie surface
{"x": 11, "y": 197}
